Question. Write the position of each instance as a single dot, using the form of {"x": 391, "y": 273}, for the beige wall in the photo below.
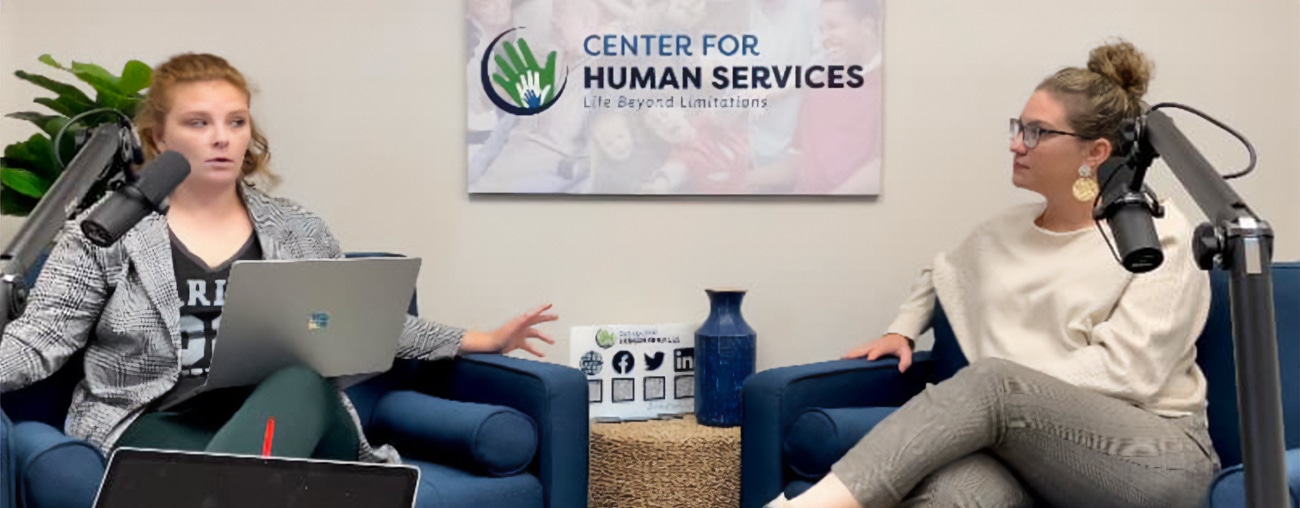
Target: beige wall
{"x": 363, "y": 103}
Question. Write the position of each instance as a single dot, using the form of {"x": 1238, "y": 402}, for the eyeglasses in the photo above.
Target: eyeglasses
{"x": 1033, "y": 133}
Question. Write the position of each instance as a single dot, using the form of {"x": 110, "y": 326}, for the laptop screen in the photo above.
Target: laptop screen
{"x": 154, "y": 478}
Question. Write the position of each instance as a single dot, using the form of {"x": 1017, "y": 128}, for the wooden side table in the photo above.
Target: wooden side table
{"x": 664, "y": 463}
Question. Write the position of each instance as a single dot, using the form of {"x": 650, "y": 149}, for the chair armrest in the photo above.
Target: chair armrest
{"x": 52, "y": 468}
{"x": 553, "y": 395}
{"x": 774, "y": 398}
{"x": 487, "y": 440}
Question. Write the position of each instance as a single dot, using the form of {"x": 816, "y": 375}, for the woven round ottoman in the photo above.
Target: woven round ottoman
{"x": 664, "y": 463}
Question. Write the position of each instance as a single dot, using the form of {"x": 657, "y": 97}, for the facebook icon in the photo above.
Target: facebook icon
{"x": 623, "y": 362}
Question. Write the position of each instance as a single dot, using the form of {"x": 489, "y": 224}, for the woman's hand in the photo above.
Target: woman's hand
{"x": 512, "y": 335}
{"x": 890, "y": 344}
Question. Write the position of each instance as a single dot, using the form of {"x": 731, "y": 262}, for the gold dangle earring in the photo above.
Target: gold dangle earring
{"x": 1085, "y": 187}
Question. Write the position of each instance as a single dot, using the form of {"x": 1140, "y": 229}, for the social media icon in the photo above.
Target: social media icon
{"x": 623, "y": 362}
{"x": 653, "y": 362}
{"x": 684, "y": 359}
{"x": 591, "y": 363}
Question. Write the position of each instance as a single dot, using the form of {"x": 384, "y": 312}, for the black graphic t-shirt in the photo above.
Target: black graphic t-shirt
{"x": 203, "y": 292}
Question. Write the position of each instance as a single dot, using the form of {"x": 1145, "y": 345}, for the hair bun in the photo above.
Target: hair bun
{"x": 1123, "y": 64}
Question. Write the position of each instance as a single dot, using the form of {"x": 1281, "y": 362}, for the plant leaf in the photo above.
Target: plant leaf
{"x": 18, "y": 152}
{"x": 50, "y": 124}
{"x": 30, "y": 116}
{"x": 53, "y": 124}
{"x": 71, "y": 108}
{"x": 130, "y": 106}
{"x": 63, "y": 89}
{"x": 92, "y": 69}
{"x": 56, "y": 106}
{"x": 36, "y": 152}
{"x": 96, "y": 76}
{"x": 136, "y": 76}
{"x": 68, "y": 145}
{"x": 34, "y": 155}
{"x": 15, "y": 204}
{"x": 49, "y": 60}
{"x": 41, "y": 149}
{"x": 24, "y": 182}
{"x": 109, "y": 99}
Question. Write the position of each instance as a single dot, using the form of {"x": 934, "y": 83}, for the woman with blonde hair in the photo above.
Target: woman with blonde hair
{"x": 146, "y": 310}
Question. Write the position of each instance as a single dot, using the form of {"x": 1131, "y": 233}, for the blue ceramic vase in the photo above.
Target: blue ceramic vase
{"x": 724, "y": 357}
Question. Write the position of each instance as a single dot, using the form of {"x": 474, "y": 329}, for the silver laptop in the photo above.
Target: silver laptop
{"x": 138, "y": 478}
{"x": 340, "y": 317}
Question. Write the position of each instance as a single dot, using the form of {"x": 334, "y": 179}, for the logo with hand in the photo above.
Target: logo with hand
{"x": 605, "y": 338}
{"x": 530, "y": 85}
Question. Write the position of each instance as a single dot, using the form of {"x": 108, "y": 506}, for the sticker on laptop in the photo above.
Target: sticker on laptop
{"x": 318, "y": 321}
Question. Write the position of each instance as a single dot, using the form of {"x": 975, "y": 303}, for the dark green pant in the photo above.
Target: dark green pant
{"x": 310, "y": 420}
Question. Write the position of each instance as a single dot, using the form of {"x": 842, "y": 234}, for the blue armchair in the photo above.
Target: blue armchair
{"x": 799, "y": 420}
{"x": 485, "y": 430}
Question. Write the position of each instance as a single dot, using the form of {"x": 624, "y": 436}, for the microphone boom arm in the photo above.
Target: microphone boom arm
{"x": 1240, "y": 242}
{"x": 103, "y": 151}
{"x": 1206, "y": 186}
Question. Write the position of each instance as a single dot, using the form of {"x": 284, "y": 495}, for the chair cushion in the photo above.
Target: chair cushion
{"x": 1228, "y": 490}
{"x": 443, "y": 486}
{"x": 480, "y": 438}
{"x": 818, "y": 437}
{"x": 946, "y": 356}
{"x": 55, "y": 470}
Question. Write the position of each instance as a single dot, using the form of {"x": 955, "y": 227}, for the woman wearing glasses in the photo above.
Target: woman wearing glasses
{"x": 1083, "y": 388}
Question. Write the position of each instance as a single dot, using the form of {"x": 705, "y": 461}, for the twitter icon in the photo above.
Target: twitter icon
{"x": 653, "y": 362}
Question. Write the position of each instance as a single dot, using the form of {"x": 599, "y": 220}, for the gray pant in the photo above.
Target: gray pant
{"x": 997, "y": 430}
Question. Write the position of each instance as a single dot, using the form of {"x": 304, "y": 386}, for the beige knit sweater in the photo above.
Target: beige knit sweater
{"x": 1060, "y": 303}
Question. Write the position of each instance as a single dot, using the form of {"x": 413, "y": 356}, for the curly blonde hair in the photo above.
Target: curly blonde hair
{"x": 192, "y": 68}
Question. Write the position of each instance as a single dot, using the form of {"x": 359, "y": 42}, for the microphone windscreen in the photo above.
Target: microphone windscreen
{"x": 161, "y": 176}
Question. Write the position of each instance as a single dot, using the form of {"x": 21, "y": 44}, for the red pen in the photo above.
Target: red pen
{"x": 270, "y": 436}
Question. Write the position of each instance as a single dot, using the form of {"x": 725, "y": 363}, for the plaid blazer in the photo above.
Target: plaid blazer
{"x": 120, "y": 303}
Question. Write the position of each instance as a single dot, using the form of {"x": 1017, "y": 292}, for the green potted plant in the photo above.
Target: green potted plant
{"x": 28, "y": 168}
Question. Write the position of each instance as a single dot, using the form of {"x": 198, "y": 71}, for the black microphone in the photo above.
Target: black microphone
{"x": 133, "y": 201}
{"x": 1128, "y": 209}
